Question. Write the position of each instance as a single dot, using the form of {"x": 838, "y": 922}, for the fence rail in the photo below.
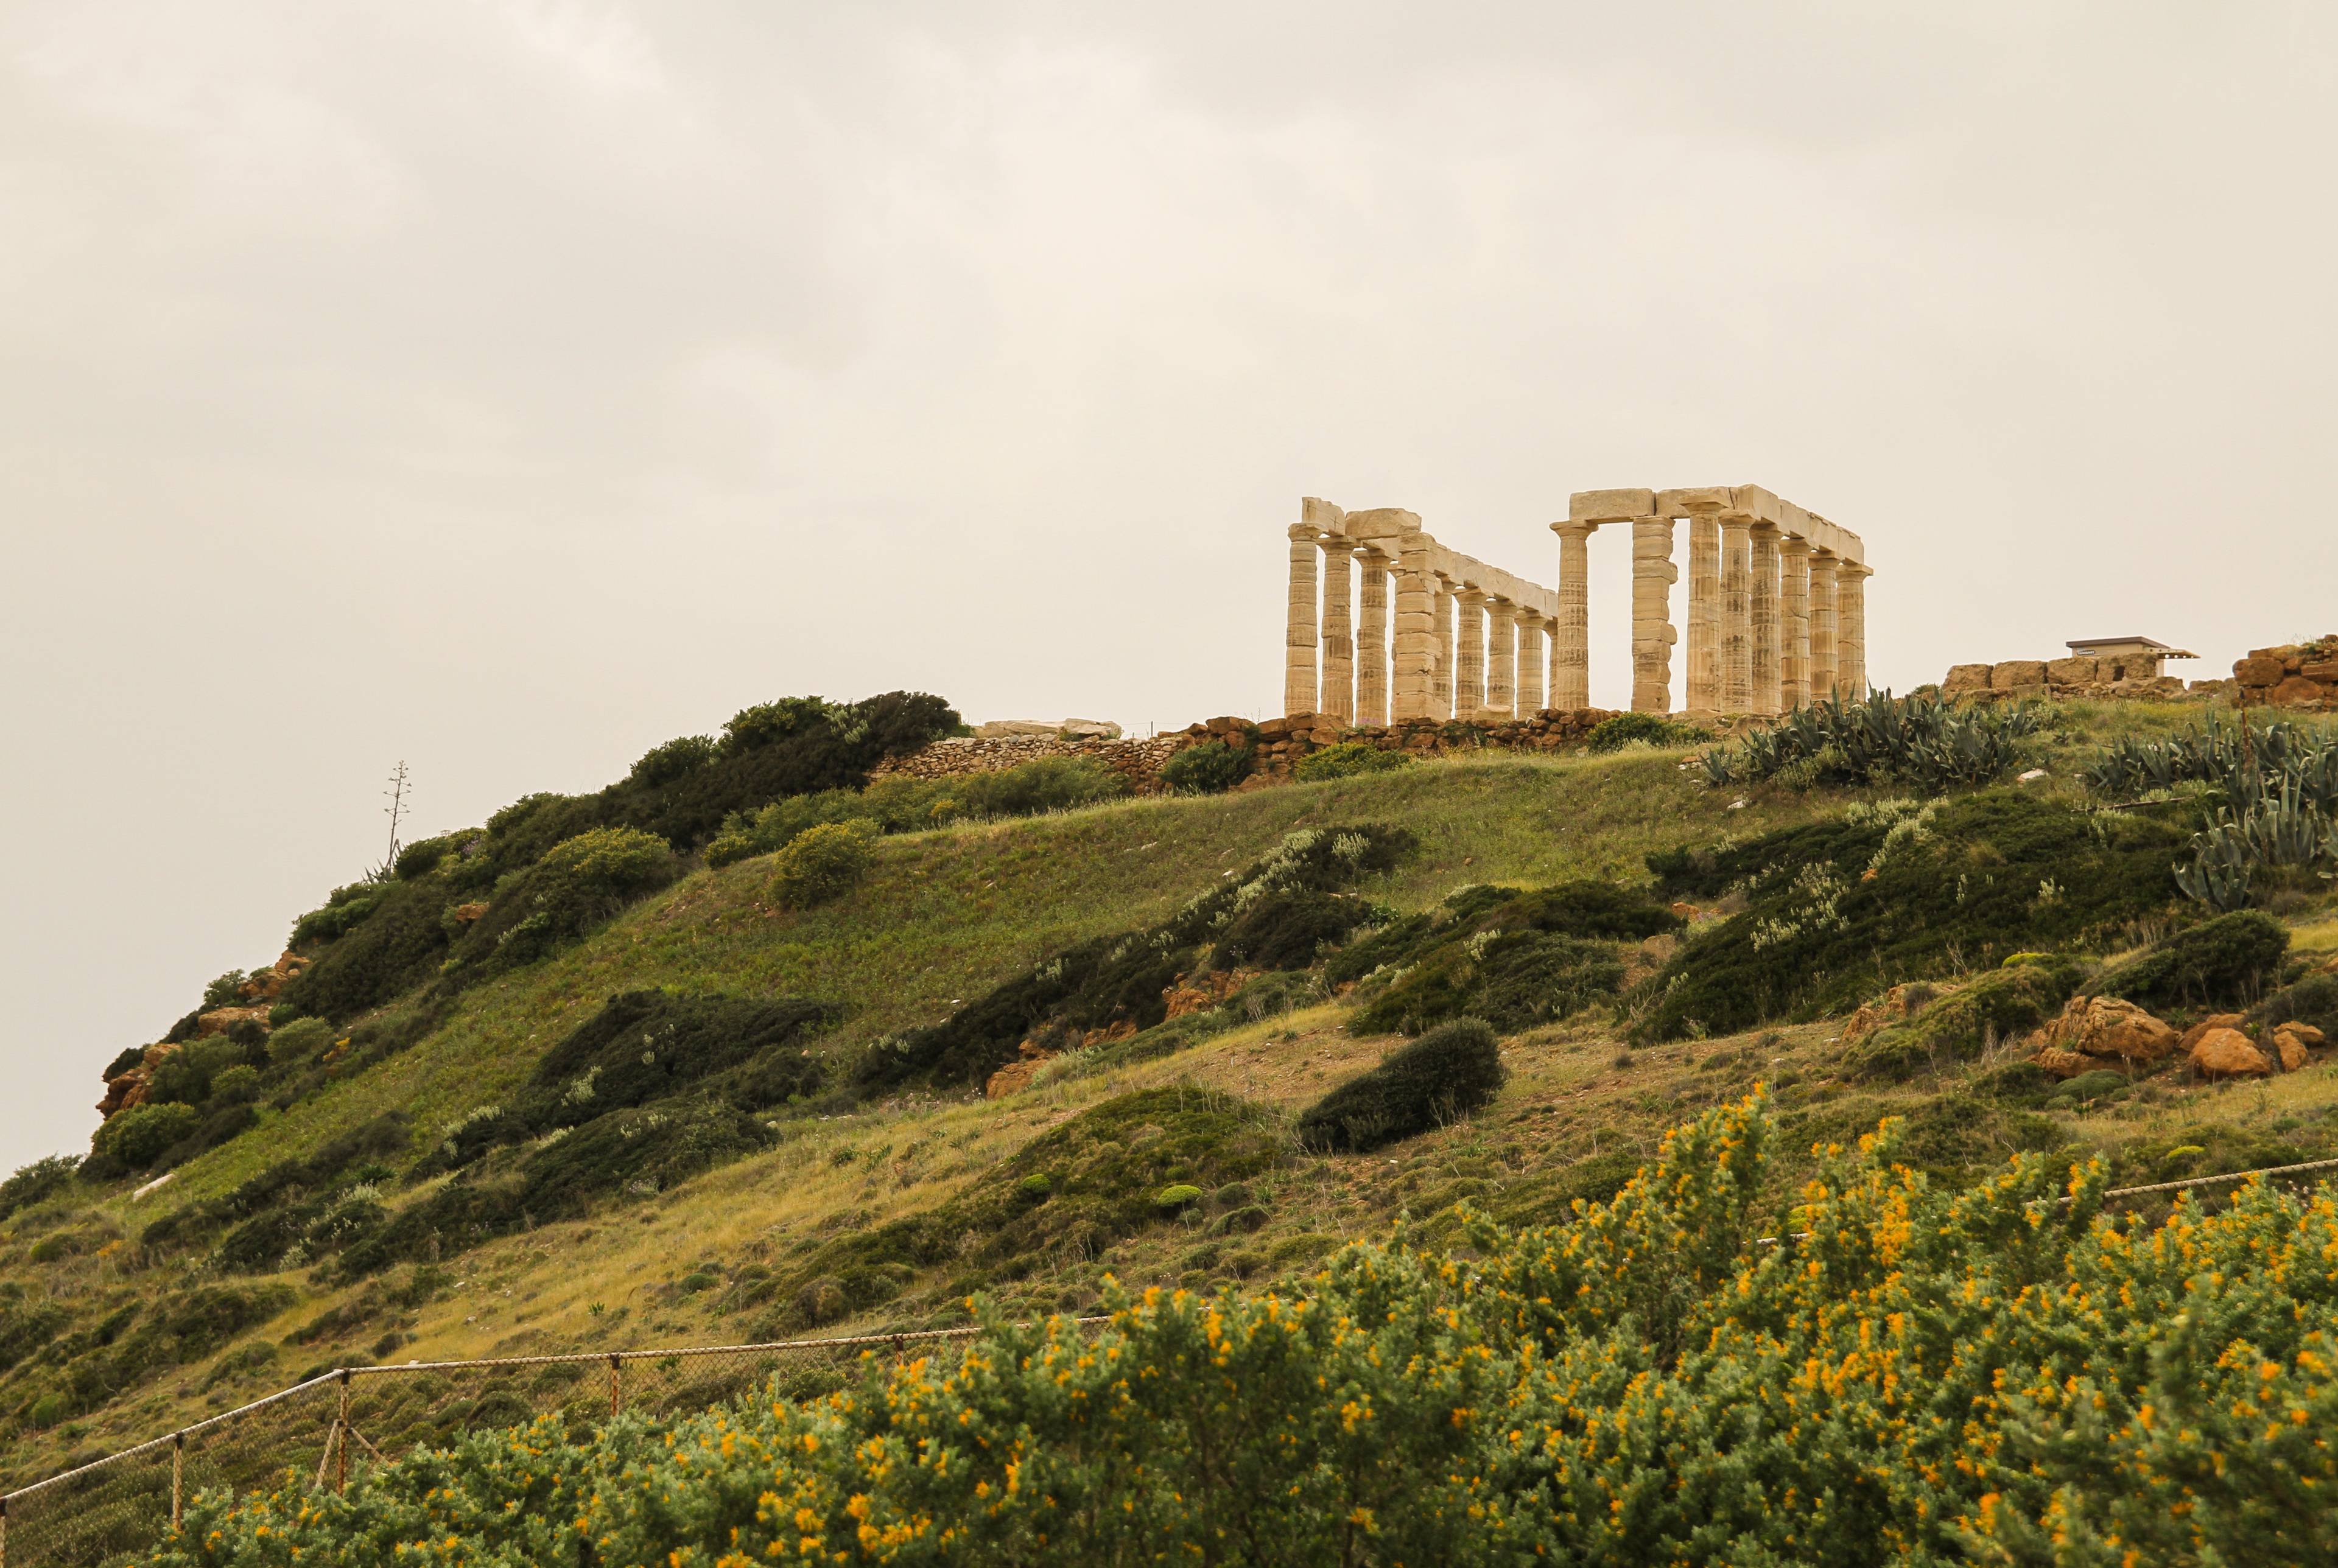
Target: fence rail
{"x": 332, "y": 1428}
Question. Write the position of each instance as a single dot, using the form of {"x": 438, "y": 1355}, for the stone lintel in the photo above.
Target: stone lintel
{"x": 1319, "y": 515}
{"x": 1611, "y": 505}
{"x": 1690, "y": 502}
{"x": 1380, "y": 523}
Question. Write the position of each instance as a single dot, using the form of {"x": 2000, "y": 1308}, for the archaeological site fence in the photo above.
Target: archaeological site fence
{"x": 328, "y": 1432}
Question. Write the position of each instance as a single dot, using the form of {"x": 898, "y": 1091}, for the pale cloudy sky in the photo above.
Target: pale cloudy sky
{"x": 509, "y": 385}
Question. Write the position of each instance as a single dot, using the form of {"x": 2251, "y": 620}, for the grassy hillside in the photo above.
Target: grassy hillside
{"x": 913, "y": 1195}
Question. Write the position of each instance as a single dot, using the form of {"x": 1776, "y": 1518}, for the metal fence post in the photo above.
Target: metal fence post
{"x": 341, "y": 1476}
{"x": 616, "y": 1390}
{"x": 178, "y": 1478}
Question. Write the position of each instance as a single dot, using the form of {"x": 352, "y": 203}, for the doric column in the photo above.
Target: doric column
{"x": 1469, "y": 660}
{"x": 1823, "y": 655}
{"x": 1851, "y": 628}
{"x": 1570, "y": 639}
{"x": 1762, "y": 606}
{"x": 1501, "y": 658}
{"x": 1339, "y": 699}
{"x": 1704, "y": 694}
{"x": 1736, "y": 614}
{"x": 1371, "y": 637}
{"x": 1416, "y": 629}
{"x": 1530, "y": 630}
{"x": 1299, "y": 636}
{"x": 1441, "y": 687}
{"x": 1794, "y": 616}
{"x": 1653, "y": 576}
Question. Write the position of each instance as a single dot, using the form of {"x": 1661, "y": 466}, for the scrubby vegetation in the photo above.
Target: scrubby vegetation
{"x": 1917, "y": 740}
{"x": 900, "y": 805}
{"x": 1913, "y": 1373}
{"x": 1985, "y": 1010}
{"x": 1208, "y": 768}
{"x": 1613, "y": 734}
{"x": 822, "y": 863}
{"x": 1347, "y": 759}
{"x": 2271, "y": 796}
{"x": 2227, "y": 961}
{"x": 1449, "y": 1073}
{"x": 1274, "y": 906}
{"x": 1895, "y": 891}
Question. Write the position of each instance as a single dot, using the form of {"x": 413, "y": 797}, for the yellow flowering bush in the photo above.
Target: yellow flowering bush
{"x": 1868, "y": 1370}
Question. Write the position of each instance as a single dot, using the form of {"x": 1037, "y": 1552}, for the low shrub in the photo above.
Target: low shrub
{"x": 677, "y": 758}
{"x": 1208, "y": 768}
{"x": 225, "y": 991}
{"x": 823, "y": 863}
{"x": 36, "y": 1184}
{"x": 2312, "y": 1000}
{"x": 1349, "y": 758}
{"x": 1642, "y": 729}
{"x": 578, "y": 884}
{"x": 1878, "y": 739}
{"x": 775, "y": 827}
{"x": 1449, "y": 1073}
{"x": 301, "y": 1039}
{"x": 2227, "y": 961}
{"x": 139, "y": 1136}
{"x": 1991, "y": 1008}
{"x": 1894, "y": 891}
{"x": 1043, "y": 785}
{"x": 397, "y": 942}
{"x": 1290, "y": 930}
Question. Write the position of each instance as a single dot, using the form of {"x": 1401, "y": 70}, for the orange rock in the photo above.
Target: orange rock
{"x": 220, "y": 1020}
{"x": 2104, "y": 1026}
{"x": 2062, "y": 1064}
{"x": 467, "y": 913}
{"x": 2227, "y": 1054}
{"x": 2214, "y": 1021}
{"x": 2296, "y": 1041}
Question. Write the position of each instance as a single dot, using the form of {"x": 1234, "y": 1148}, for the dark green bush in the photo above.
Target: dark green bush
{"x": 1209, "y": 767}
{"x": 1349, "y": 759}
{"x": 1995, "y": 1006}
{"x": 2312, "y": 1000}
{"x": 1046, "y": 784}
{"x": 1956, "y": 885}
{"x": 822, "y": 864}
{"x": 420, "y": 859}
{"x": 1878, "y": 739}
{"x": 398, "y": 943}
{"x": 1449, "y": 1073}
{"x": 677, "y": 758}
{"x": 1290, "y": 930}
{"x": 576, "y": 885}
{"x": 2227, "y": 961}
{"x": 36, "y": 1183}
{"x": 139, "y": 1136}
{"x": 774, "y": 827}
{"x": 1642, "y": 728}
{"x": 224, "y": 991}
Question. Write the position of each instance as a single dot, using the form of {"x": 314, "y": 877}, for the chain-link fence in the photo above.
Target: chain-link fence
{"x": 331, "y": 1430}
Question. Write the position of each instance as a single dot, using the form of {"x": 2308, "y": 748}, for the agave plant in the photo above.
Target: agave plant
{"x": 1882, "y": 738}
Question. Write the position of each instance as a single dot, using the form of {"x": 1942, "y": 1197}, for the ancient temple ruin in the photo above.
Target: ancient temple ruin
{"x": 1386, "y": 623}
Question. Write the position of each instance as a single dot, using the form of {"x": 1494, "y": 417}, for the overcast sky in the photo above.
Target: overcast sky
{"x": 508, "y": 386}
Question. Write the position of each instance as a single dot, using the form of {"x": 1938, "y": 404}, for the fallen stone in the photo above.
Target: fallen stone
{"x": 2296, "y": 692}
{"x": 2292, "y": 1047}
{"x": 2105, "y": 1026}
{"x": 2058, "y": 1063}
{"x": 2227, "y": 1054}
{"x": 2193, "y": 1035}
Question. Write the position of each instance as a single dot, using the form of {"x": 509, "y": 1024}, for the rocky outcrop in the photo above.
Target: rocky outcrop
{"x": 1897, "y": 1005}
{"x": 2302, "y": 675}
{"x": 2223, "y": 1052}
{"x": 2092, "y": 1030}
{"x": 2295, "y": 1044}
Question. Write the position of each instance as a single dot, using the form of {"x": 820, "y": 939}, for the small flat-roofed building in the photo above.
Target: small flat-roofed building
{"x": 2129, "y": 658}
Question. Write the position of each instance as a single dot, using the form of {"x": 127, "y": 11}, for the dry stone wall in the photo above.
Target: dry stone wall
{"x": 2300, "y": 675}
{"x": 1138, "y": 761}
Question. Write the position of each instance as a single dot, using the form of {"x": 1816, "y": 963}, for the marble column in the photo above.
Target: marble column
{"x": 1371, "y": 637}
{"x": 1469, "y": 660}
{"x": 1762, "y": 603}
{"x": 1530, "y": 630}
{"x": 1823, "y": 652}
{"x": 1851, "y": 628}
{"x": 1501, "y": 658}
{"x": 1653, "y": 576}
{"x": 1339, "y": 699}
{"x": 1794, "y": 615}
{"x": 1570, "y": 639}
{"x": 1416, "y": 629}
{"x": 1299, "y": 636}
{"x": 1703, "y": 695}
{"x": 1737, "y": 641}
{"x": 1440, "y": 689}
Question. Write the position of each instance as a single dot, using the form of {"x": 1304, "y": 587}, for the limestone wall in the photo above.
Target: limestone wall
{"x": 2303, "y": 675}
{"x": 2300, "y": 675}
{"x": 1282, "y": 742}
{"x": 1138, "y": 761}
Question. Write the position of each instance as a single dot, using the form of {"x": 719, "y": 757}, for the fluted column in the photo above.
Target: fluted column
{"x": 1299, "y": 635}
{"x": 1823, "y": 652}
{"x": 1501, "y": 658}
{"x": 1653, "y": 576}
{"x": 1794, "y": 617}
{"x": 1339, "y": 699}
{"x": 1530, "y": 630}
{"x": 1570, "y": 639}
{"x": 1703, "y": 695}
{"x": 1736, "y": 615}
{"x": 1371, "y": 637}
{"x": 1440, "y": 686}
{"x": 1416, "y": 629}
{"x": 1851, "y": 628}
{"x": 1470, "y": 662}
{"x": 1762, "y": 606}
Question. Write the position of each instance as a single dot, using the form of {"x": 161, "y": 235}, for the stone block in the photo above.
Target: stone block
{"x": 1754, "y": 502}
{"x": 2296, "y": 692}
{"x": 1610, "y": 506}
{"x": 2017, "y": 672}
{"x": 2259, "y": 669}
{"x": 1686, "y": 502}
{"x": 2323, "y": 670}
{"x": 2076, "y": 671}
